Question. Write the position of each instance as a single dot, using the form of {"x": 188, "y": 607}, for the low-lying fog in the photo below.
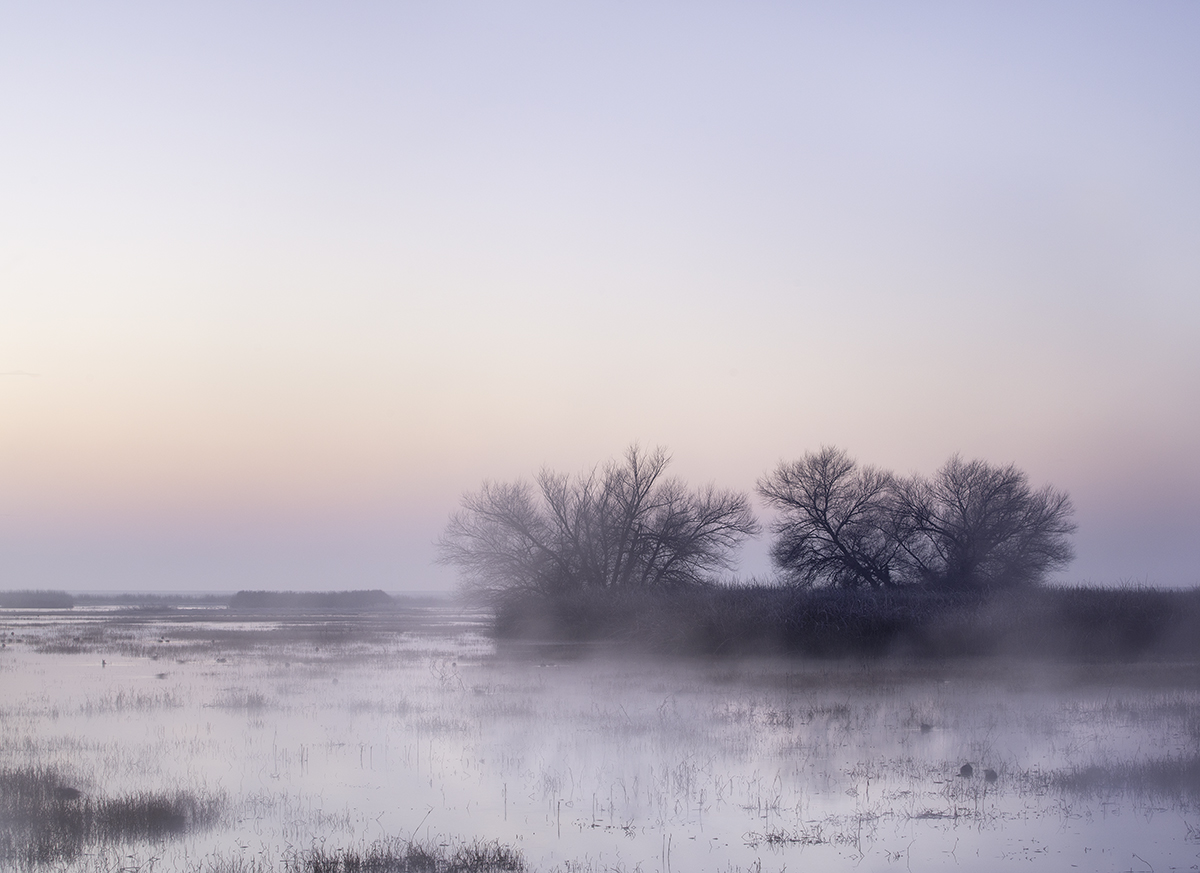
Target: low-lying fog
{"x": 315, "y": 732}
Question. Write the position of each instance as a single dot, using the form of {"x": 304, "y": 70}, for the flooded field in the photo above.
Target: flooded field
{"x": 264, "y": 738}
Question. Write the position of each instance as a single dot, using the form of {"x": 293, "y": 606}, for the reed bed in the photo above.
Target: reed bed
{"x": 1054, "y": 623}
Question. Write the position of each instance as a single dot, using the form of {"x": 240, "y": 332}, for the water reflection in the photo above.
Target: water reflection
{"x": 327, "y": 730}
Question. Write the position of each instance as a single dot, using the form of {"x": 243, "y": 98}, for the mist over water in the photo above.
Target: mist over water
{"x": 334, "y": 730}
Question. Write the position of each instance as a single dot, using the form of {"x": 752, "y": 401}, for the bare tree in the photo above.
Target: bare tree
{"x": 972, "y": 526}
{"x": 834, "y": 524}
{"x": 977, "y": 526}
{"x": 502, "y": 542}
{"x": 621, "y": 527}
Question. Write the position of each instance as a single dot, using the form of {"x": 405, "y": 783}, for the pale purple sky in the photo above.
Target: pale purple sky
{"x": 292, "y": 278}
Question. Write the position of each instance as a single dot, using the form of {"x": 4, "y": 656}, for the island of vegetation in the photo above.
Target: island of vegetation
{"x": 868, "y": 563}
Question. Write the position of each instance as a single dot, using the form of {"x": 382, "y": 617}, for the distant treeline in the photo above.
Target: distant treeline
{"x": 311, "y": 600}
{"x": 145, "y": 599}
{"x": 36, "y": 600}
{"x": 1052, "y": 623}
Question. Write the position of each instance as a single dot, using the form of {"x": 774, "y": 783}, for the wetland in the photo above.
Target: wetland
{"x": 207, "y": 738}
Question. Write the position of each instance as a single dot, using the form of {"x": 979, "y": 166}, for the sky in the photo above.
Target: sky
{"x": 279, "y": 282}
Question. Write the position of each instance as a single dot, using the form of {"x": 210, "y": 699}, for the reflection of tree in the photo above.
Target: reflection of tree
{"x": 624, "y": 526}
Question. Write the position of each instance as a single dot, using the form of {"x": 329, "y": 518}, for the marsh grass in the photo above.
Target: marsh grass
{"x": 130, "y": 701}
{"x": 390, "y": 855}
{"x": 241, "y": 700}
{"x": 405, "y": 856}
{"x": 44, "y": 820}
{"x": 1172, "y": 777}
{"x": 1054, "y": 623}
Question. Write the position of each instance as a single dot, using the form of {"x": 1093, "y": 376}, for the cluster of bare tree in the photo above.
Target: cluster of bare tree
{"x": 971, "y": 526}
{"x": 624, "y": 526}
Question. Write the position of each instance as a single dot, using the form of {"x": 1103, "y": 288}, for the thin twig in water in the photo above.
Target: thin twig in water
{"x": 418, "y": 827}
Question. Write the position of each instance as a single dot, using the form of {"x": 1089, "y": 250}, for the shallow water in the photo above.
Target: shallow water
{"x": 328, "y": 730}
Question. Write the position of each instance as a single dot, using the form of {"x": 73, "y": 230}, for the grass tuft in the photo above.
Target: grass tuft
{"x": 44, "y": 820}
{"x": 402, "y": 856}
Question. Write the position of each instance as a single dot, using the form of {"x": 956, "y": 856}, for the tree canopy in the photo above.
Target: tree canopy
{"x": 623, "y": 526}
{"x": 971, "y": 526}
{"x": 834, "y": 525}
